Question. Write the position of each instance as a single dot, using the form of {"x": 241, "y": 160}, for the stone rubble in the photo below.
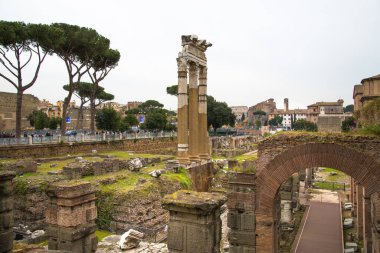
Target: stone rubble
{"x": 130, "y": 239}
{"x": 110, "y": 245}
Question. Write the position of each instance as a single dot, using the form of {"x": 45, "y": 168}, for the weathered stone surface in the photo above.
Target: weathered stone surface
{"x": 202, "y": 202}
{"x": 201, "y": 176}
{"x": 252, "y": 197}
{"x": 6, "y": 211}
{"x": 194, "y": 224}
{"x": 130, "y": 239}
{"x": 71, "y": 215}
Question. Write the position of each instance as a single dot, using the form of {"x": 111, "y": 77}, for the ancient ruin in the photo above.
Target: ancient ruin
{"x": 193, "y": 144}
{"x": 6, "y": 211}
{"x": 71, "y": 215}
{"x": 195, "y": 224}
{"x": 279, "y": 157}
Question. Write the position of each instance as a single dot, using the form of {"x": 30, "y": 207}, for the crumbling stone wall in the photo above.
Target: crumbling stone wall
{"x": 71, "y": 215}
{"x": 8, "y": 110}
{"x": 241, "y": 212}
{"x": 152, "y": 146}
{"x": 6, "y": 211}
{"x": 282, "y": 155}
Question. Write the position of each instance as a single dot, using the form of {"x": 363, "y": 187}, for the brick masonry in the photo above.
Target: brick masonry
{"x": 71, "y": 215}
{"x": 6, "y": 211}
{"x": 279, "y": 157}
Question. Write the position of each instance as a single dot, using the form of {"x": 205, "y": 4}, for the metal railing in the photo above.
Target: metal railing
{"x": 80, "y": 137}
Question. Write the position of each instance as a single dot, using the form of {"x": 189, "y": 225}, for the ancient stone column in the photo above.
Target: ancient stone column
{"x": 202, "y": 116}
{"x": 193, "y": 113}
{"x": 183, "y": 110}
{"x": 6, "y": 211}
{"x": 70, "y": 215}
{"x": 241, "y": 217}
{"x": 195, "y": 224}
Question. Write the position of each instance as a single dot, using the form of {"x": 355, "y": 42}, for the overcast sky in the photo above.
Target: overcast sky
{"x": 307, "y": 51}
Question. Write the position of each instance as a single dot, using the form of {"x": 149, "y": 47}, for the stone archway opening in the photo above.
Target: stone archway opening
{"x": 362, "y": 168}
{"x": 307, "y": 205}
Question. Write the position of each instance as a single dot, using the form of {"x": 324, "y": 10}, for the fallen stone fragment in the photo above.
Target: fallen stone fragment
{"x": 130, "y": 239}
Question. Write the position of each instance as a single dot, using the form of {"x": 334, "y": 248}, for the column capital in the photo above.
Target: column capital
{"x": 182, "y": 64}
{"x": 193, "y": 66}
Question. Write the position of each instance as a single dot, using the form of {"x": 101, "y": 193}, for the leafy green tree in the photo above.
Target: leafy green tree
{"x": 19, "y": 44}
{"x": 108, "y": 119}
{"x": 348, "y": 124}
{"x": 134, "y": 111}
{"x": 150, "y": 106}
{"x": 219, "y": 114}
{"x": 304, "y": 125}
{"x": 172, "y": 90}
{"x": 258, "y": 124}
{"x": 99, "y": 67}
{"x": 41, "y": 120}
{"x": 348, "y": 108}
{"x": 80, "y": 46}
{"x": 54, "y": 122}
{"x": 129, "y": 121}
{"x": 155, "y": 120}
{"x": 259, "y": 112}
{"x": 276, "y": 121}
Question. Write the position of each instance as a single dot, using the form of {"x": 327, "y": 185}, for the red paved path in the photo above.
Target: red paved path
{"x": 322, "y": 232}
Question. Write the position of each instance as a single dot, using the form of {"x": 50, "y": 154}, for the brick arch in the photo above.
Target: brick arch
{"x": 361, "y": 167}
{"x": 271, "y": 174}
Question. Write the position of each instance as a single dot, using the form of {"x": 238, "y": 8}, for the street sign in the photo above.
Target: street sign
{"x": 68, "y": 119}
{"x": 142, "y": 119}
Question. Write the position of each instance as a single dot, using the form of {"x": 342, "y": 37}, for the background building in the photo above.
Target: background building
{"x": 8, "y": 110}
{"x": 366, "y": 91}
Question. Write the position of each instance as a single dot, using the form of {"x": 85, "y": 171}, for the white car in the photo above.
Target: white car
{"x": 348, "y": 223}
{"x": 348, "y": 206}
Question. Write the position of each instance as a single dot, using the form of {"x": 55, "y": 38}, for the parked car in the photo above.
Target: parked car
{"x": 348, "y": 223}
{"x": 71, "y": 133}
{"x": 348, "y": 206}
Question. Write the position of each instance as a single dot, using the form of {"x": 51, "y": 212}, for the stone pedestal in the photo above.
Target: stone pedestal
{"x": 70, "y": 216}
{"x": 6, "y": 211}
{"x": 241, "y": 217}
{"x": 195, "y": 224}
{"x": 30, "y": 140}
{"x": 82, "y": 137}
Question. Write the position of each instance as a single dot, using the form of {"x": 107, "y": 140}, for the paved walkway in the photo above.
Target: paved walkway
{"x": 322, "y": 230}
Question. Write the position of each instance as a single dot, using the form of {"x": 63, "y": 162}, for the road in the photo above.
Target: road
{"x": 322, "y": 230}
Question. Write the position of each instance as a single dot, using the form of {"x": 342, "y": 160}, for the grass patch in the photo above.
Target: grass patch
{"x": 101, "y": 234}
{"x": 241, "y": 158}
{"x": 44, "y": 168}
{"x": 182, "y": 177}
{"x": 331, "y": 186}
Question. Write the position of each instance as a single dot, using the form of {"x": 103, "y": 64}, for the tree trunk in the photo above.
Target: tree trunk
{"x": 66, "y": 104}
{"x": 93, "y": 111}
{"x": 18, "y": 112}
{"x": 80, "y": 117}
